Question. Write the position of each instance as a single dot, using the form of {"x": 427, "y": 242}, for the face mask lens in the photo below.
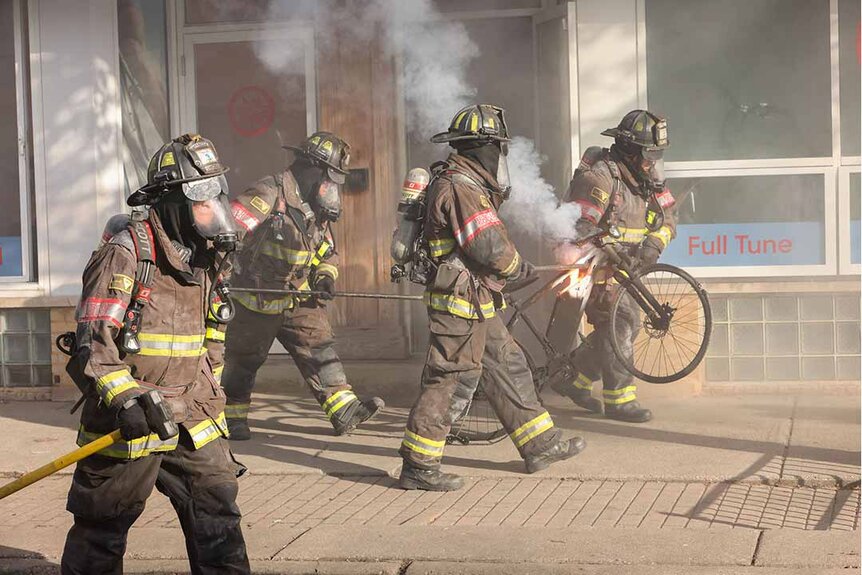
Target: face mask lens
{"x": 502, "y": 175}
{"x": 329, "y": 200}
{"x": 504, "y": 148}
{"x": 212, "y": 217}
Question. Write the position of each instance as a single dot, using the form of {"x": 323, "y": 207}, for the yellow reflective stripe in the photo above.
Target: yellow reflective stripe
{"x": 113, "y": 384}
{"x": 217, "y": 371}
{"x": 583, "y": 382}
{"x": 319, "y": 254}
{"x": 337, "y": 401}
{"x": 441, "y": 247}
{"x": 213, "y": 334}
{"x": 263, "y": 305}
{"x": 422, "y": 445}
{"x": 474, "y": 122}
{"x": 172, "y": 352}
{"x": 279, "y": 252}
{"x": 170, "y": 345}
{"x": 510, "y": 269}
{"x": 460, "y": 117}
{"x": 532, "y": 428}
{"x": 457, "y": 306}
{"x": 129, "y": 449}
{"x": 328, "y": 269}
{"x": 208, "y": 430}
{"x": 664, "y": 234}
{"x": 630, "y": 235}
{"x": 619, "y": 396}
{"x": 236, "y": 410}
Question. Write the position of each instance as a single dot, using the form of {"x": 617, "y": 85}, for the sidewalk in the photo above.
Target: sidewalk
{"x": 765, "y": 484}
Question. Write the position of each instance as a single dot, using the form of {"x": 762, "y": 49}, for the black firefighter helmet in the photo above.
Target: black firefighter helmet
{"x": 185, "y": 159}
{"x": 327, "y": 149}
{"x": 476, "y": 122}
{"x": 641, "y": 129}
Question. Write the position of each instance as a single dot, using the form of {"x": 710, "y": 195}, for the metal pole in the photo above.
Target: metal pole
{"x": 337, "y": 294}
{"x": 557, "y": 268}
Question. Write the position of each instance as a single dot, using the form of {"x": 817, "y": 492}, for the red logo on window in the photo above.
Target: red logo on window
{"x": 251, "y": 111}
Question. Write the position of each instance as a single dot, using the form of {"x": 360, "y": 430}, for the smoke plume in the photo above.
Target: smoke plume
{"x": 533, "y": 207}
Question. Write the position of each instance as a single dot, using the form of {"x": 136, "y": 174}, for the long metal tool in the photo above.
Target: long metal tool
{"x": 556, "y": 268}
{"x": 60, "y": 463}
{"x": 319, "y": 293}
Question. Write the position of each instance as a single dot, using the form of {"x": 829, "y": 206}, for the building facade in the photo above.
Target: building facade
{"x": 762, "y": 97}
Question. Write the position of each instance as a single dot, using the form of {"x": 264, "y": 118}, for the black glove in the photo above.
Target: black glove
{"x": 326, "y": 285}
{"x": 646, "y": 256}
{"x": 133, "y": 421}
{"x": 525, "y": 272}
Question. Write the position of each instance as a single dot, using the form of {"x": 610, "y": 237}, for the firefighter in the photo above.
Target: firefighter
{"x": 288, "y": 244}
{"x": 474, "y": 258}
{"x": 623, "y": 186}
{"x": 141, "y": 326}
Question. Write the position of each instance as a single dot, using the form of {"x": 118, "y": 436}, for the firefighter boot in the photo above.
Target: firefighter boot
{"x": 582, "y": 398}
{"x": 428, "y": 479}
{"x": 238, "y": 429}
{"x": 363, "y": 411}
{"x": 562, "y": 449}
{"x": 631, "y": 412}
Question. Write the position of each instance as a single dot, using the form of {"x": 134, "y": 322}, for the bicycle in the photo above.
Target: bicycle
{"x": 673, "y": 307}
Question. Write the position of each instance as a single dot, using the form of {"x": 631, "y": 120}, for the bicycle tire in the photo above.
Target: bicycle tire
{"x": 656, "y": 275}
{"x": 479, "y": 422}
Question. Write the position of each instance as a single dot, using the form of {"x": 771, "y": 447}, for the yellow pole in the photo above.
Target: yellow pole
{"x": 60, "y": 463}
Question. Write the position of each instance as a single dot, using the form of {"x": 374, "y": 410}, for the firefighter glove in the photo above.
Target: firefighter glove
{"x": 525, "y": 272}
{"x": 326, "y": 286}
{"x": 133, "y": 421}
{"x": 647, "y": 255}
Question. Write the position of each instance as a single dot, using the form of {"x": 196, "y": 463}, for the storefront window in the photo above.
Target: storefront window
{"x": 741, "y": 79}
{"x": 850, "y": 56}
{"x": 144, "y": 83}
{"x": 14, "y": 192}
{"x": 734, "y": 221}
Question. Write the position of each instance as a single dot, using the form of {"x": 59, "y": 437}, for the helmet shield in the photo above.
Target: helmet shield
{"x": 205, "y": 189}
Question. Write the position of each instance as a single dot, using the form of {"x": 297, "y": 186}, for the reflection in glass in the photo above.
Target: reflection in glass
{"x": 741, "y": 79}
{"x": 855, "y": 216}
{"x": 849, "y": 14}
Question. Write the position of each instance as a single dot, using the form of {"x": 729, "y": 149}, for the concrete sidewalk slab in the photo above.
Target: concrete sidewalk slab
{"x": 450, "y": 568}
{"x": 500, "y": 544}
{"x": 786, "y": 547}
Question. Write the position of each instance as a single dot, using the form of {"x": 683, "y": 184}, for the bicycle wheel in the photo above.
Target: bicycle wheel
{"x": 479, "y": 422}
{"x": 663, "y": 350}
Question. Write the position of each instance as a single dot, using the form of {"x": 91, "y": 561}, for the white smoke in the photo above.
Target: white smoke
{"x": 533, "y": 207}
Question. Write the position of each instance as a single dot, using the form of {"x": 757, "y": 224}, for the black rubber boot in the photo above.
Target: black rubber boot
{"x": 582, "y": 398}
{"x": 563, "y": 449}
{"x": 364, "y": 410}
{"x": 428, "y": 479}
{"x": 238, "y": 428}
{"x": 631, "y": 412}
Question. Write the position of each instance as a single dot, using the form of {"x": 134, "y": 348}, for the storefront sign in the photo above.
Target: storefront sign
{"x": 10, "y": 256}
{"x": 251, "y": 110}
{"x": 760, "y": 244}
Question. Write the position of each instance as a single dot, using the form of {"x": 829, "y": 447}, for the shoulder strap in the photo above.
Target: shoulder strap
{"x": 145, "y": 252}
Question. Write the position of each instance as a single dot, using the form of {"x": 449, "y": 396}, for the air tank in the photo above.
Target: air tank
{"x": 411, "y": 213}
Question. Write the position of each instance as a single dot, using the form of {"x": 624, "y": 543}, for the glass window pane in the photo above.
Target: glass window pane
{"x": 142, "y": 34}
{"x": 849, "y": 63}
{"x": 17, "y": 375}
{"x": 741, "y": 79}
{"x": 247, "y": 108}
{"x": 855, "y": 216}
{"x": 15, "y": 320}
{"x": 749, "y": 221}
{"x": 16, "y": 348}
{"x": 213, "y": 11}
{"x": 10, "y": 191}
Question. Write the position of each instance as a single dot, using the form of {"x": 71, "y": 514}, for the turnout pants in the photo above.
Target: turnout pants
{"x": 306, "y": 334}
{"x": 595, "y": 359}
{"x": 108, "y": 495}
{"x": 458, "y": 352}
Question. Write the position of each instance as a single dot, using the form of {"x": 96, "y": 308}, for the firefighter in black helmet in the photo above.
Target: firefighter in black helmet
{"x": 623, "y": 186}
{"x": 285, "y": 219}
{"x": 475, "y": 258}
{"x": 151, "y": 279}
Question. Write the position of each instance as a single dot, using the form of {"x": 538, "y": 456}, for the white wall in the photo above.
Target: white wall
{"x": 607, "y": 66}
{"x": 77, "y": 133}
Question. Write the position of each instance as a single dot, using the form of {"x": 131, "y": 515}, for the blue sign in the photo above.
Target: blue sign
{"x": 757, "y": 244}
{"x": 855, "y": 238}
{"x": 11, "y": 263}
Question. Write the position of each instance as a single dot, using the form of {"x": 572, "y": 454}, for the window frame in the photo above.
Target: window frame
{"x": 836, "y": 240}
{"x": 845, "y": 266}
{"x": 827, "y": 268}
{"x": 22, "y": 92}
